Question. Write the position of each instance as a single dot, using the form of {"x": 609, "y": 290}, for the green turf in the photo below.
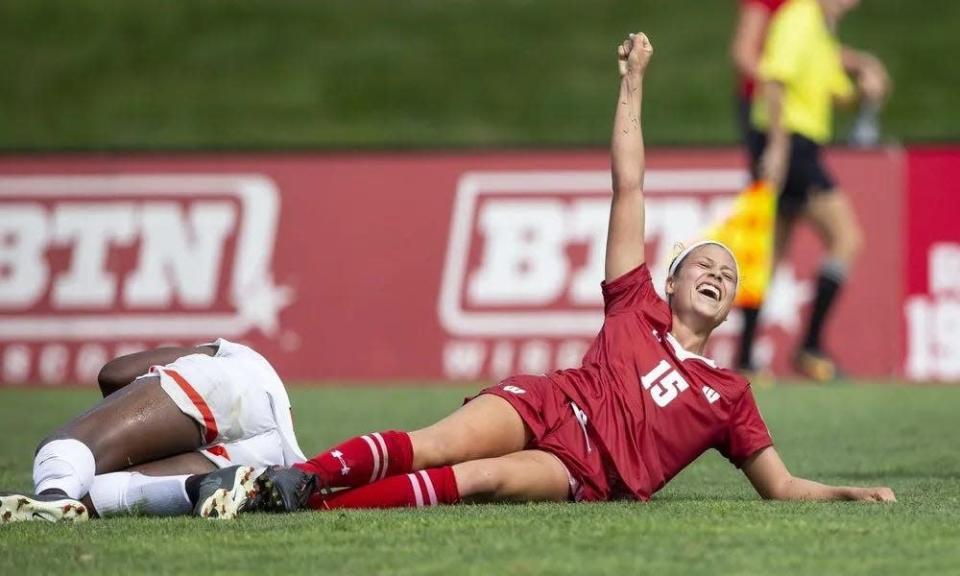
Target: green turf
{"x": 435, "y": 73}
{"x": 707, "y": 521}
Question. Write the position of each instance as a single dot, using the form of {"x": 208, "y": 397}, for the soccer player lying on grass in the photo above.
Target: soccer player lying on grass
{"x": 167, "y": 414}
{"x": 644, "y": 404}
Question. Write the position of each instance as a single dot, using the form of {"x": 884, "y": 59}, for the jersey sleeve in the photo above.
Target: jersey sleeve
{"x": 783, "y": 50}
{"x": 747, "y": 433}
{"x": 634, "y": 291}
{"x": 767, "y": 5}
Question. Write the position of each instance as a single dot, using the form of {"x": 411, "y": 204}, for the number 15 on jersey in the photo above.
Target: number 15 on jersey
{"x": 663, "y": 383}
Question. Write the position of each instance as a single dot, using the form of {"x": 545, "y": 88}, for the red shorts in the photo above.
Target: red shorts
{"x": 560, "y": 428}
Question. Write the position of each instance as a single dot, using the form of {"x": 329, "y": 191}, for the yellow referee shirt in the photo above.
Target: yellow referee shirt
{"x": 802, "y": 54}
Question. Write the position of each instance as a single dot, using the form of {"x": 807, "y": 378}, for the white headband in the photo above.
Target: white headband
{"x": 686, "y": 252}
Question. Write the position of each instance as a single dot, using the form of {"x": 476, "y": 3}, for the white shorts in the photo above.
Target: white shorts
{"x": 239, "y": 402}
{"x": 258, "y": 451}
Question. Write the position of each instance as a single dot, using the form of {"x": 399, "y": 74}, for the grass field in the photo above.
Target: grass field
{"x": 708, "y": 521}
{"x": 108, "y": 74}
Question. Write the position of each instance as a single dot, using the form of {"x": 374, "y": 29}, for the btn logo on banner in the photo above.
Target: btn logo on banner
{"x": 97, "y": 265}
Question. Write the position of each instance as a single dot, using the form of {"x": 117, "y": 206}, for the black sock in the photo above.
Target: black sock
{"x": 54, "y": 492}
{"x": 745, "y": 354}
{"x": 828, "y": 285}
{"x": 192, "y": 487}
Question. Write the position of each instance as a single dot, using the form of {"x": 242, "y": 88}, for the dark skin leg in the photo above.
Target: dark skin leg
{"x": 188, "y": 463}
{"x": 135, "y": 425}
{"x": 121, "y": 371}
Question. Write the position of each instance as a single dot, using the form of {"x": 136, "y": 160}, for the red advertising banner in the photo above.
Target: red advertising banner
{"x": 385, "y": 266}
{"x": 932, "y": 303}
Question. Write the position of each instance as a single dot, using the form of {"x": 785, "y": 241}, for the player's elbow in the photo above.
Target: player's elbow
{"x": 112, "y": 377}
{"x": 628, "y": 187}
{"x": 783, "y": 489}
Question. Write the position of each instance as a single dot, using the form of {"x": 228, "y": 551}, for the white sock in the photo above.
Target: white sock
{"x": 134, "y": 493}
{"x": 65, "y": 465}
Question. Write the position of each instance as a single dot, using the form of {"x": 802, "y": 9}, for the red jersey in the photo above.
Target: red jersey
{"x": 654, "y": 407}
{"x": 748, "y": 85}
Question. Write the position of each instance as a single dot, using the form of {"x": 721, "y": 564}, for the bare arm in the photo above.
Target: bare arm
{"x": 873, "y": 80}
{"x": 747, "y": 40}
{"x": 773, "y": 165}
{"x": 772, "y": 481}
{"x": 626, "y": 231}
{"x": 121, "y": 371}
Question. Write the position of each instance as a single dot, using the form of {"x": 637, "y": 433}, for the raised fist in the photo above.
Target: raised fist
{"x": 634, "y": 54}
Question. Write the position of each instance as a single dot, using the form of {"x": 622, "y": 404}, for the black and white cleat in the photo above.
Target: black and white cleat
{"x": 228, "y": 492}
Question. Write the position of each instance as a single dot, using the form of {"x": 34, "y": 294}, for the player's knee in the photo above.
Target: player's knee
{"x": 847, "y": 244}
{"x": 57, "y": 435}
{"x": 432, "y": 449}
{"x": 854, "y": 240}
{"x": 482, "y": 480}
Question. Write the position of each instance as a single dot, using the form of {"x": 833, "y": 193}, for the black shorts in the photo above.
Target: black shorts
{"x": 806, "y": 173}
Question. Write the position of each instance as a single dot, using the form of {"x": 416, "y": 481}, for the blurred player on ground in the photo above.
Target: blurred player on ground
{"x": 802, "y": 71}
{"x": 643, "y": 406}
{"x": 167, "y": 414}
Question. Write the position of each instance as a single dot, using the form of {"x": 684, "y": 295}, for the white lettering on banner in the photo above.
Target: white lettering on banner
{"x": 523, "y": 260}
{"x": 535, "y": 357}
{"x": 463, "y": 360}
{"x": 89, "y": 360}
{"x": 588, "y": 225}
{"x": 944, "y": 269}
{"x": 23, "y": 272}
{"x": 527, "y": 221}
{"x": 476, "y": 359}
{"x": 177, "y": 256}
{"x": 526, "y": 256}
{"x": 57, "y": 362}
{"x": 933, "y": 320}
{"x": 16, "y": 363}
{"x": 53, "y": 363}
{"x": 180, "y": 224}
{"x": 91, "y": 228}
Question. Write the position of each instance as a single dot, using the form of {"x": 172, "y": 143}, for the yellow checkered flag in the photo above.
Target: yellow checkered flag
{"x": 748, "y": 231}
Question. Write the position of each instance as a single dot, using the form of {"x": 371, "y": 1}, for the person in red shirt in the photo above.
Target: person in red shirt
{"x": 642, "y": 407}
{"x": 745, "y": 49}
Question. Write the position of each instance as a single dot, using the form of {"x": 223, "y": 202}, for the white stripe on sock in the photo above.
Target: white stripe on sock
{"x": 429, "y": 484}
{"x": 376, "y": 458}
{"x": 386, "y": 455}
{"x": 417, "y": 494}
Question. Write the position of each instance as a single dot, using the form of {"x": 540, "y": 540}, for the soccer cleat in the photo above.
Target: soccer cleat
{"x": 815, "y": 365}
{"x": 228, "y": 492}
{"x": 285, "y": 489}
{"x": 49, "y": 508}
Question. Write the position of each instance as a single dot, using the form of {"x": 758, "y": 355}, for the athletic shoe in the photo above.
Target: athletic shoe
{"x": 815, "y": 365}
{"x": 45, "y": 507}
{"x": 227, "y": 492}
{"x": 285, "y": 489}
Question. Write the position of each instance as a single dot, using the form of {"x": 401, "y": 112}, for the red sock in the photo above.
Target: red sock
{"x": 419, "y": 489}
{"x": 362, "y": 460}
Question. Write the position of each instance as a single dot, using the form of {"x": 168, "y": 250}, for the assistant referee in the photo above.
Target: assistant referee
{"x": 802, "y": 74}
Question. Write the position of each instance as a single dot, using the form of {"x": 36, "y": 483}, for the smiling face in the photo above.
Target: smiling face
{"x": 703, "y": 287}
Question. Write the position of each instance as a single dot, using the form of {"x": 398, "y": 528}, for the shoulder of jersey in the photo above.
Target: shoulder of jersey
{"x": 730, "y": 383}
